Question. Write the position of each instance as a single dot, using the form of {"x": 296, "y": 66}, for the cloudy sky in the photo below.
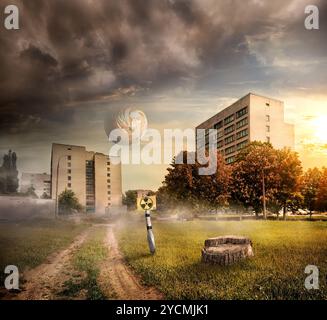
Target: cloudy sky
{"x": 74, "y": 63}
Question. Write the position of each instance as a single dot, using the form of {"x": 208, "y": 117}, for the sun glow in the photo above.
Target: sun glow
{"x": 320, "y": 128}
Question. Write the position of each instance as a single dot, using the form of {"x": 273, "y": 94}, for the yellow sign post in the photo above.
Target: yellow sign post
{"x": 146, "y": 203}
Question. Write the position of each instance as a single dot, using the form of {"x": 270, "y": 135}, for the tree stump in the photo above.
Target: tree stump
{"x": 226, "y": 250}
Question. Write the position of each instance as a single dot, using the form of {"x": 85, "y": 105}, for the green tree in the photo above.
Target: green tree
{"x": 178, "y": 186}
{"x": 68, "y": 203}
{"x": 295, "y": 202}
{"x": 129, "y": 199}
{"x": 9, "y": 174}
{"x": 310, "y": 188}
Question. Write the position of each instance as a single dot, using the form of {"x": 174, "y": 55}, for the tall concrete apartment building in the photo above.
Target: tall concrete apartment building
{"x": 251, "y": 118}
{"x": 90, "y": 175}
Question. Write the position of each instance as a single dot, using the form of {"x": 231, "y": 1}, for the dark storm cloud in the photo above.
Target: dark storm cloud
{"x": 69, "y": 53}
{"x": 34, "y": 55}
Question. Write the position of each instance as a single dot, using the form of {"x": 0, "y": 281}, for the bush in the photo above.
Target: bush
{"x": 68, "y": 203}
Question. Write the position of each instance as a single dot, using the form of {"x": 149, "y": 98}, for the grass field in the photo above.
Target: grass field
{"x": 27, "y": 244}
{"x": 282, "y": 251}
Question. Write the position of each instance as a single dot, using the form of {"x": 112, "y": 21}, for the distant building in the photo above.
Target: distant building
{"x": 142, "y": 193}
{"x": 41, "y": 182}
{"x": 251, "y": 118}
{"x": 90, "y": 175}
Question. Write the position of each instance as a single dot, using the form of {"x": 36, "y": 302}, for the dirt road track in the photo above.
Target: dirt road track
{"x": 122, "y": 281}
{"x": 116, "y": 280}
{"x": 41, "y": 281}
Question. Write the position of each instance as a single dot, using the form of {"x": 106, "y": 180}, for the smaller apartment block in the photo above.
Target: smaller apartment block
{"x": 41, "y": 182}
{"x": 90, "y": 175}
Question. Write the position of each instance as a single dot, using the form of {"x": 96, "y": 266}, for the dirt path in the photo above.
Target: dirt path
{"x": 42, "y": 281}
{"x": 118, "y": 280}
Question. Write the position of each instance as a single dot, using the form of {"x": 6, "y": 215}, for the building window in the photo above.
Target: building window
{"x": 218, "y": 125}
{"x": 229, "y": 139}
{"x": 267, "y": 104}
{"x": 230, "y": 150}
{"x": 268, "y": 139}
{"x": 108, "y": 203}
{"x": 242, "y": 123}
{"x": 241, "y": 134}
{"x": 229, "y": 129}
{"x": 90, "y": 185}
{"x": 241, "y": 112}
{"x": 268, "y": 128}
{"x": 108, "y": 192}
{"x": 69, "y": 178}
{"x": 69, "y": 185}
{"x": 69, "y": 164}
{"x": 69, "y": 158}
{"x": 242, "y": 144}
{"x": 69, "y": 171}
{"x": 108, "y": 163}
{"x": 267, "y": 118}
{"x": 229, "y": 119}
{"x": 108, "y": 174}
{"x": 230, "y": 160}
{"x": 220, "y": 134}
{"x": 69, "y": 148}
{"x": 108, "y": 180}
{"x": 220, "y": 143}
{"x": 108, "y": 168}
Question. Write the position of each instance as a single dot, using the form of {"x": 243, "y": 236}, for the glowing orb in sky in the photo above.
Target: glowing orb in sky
{"x": 134, "y": 122}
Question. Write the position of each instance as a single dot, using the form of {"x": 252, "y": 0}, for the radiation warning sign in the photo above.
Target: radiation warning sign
{"x": 146, "y": 203}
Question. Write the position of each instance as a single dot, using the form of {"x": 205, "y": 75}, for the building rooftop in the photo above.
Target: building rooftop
{"x": 236, "y": 101}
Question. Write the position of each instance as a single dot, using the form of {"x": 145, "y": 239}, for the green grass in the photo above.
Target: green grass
{"x": 87, "y": 260}
{"x": 27, "y": 244}
{"x": 282, "y": 251}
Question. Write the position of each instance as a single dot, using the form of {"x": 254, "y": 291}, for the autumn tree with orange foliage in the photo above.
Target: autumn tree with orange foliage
{"x": 184, "y": 187}
{"x": 322, "y": 192}
{"x": 260, "y": 169}
{"x": 310, "y": 188}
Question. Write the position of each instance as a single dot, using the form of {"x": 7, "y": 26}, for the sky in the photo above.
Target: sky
{"x": 73, "y": 64}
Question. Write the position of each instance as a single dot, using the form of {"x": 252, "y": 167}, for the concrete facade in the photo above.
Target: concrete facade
{"x": 90, "y": 175}
{"x": 41, "y": 182}
{"x": 251, "y": 118}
